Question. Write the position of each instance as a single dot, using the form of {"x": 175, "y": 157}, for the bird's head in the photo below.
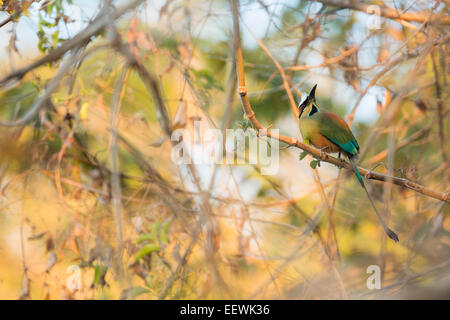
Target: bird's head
{"x": 308, "y": 104}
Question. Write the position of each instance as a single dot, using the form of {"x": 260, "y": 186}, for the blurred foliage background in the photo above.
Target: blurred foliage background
{"x": 70, "y": 230}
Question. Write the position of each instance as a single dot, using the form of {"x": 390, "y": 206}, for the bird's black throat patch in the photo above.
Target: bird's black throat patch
{"x": 314, "y": 109}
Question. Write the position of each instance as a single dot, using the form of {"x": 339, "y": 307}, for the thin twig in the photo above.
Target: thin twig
{"x": 242, "y": 89}
{"x": 115, "y": 173}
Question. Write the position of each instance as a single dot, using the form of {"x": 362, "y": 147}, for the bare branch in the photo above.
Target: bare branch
{"x": 10, "y": 18}
{"x": 103, "y": 19}
{"x": 242, "y": 89}
{"x": 115, "y": 173}
{"x": 50, "y": 88}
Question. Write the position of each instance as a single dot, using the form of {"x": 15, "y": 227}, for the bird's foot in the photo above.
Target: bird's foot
{"x": 317, "y": 160}
{"x": 321, "y": 155}
{"x": 341, "y": 166}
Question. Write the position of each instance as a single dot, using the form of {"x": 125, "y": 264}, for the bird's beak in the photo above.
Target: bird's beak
{"x": 311, "y": 97}
{"x": 302, "y": 107}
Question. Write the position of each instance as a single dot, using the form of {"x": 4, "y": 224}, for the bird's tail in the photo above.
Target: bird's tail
{"x": 391, "y": 234}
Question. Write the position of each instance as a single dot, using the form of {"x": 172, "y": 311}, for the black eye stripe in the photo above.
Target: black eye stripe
{"x": 314, "y": 109}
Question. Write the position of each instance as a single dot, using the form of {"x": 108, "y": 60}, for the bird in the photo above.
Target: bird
{"x": 330, "y": 133}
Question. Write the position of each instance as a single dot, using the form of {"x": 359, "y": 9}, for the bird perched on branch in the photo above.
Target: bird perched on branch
{"x": 330, "y": 133}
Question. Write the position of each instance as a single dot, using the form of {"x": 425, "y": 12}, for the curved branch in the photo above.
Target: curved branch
{"x": 43, "y": 97}
{"x": 327, "y": 61}
{"x": 242, "y": 89}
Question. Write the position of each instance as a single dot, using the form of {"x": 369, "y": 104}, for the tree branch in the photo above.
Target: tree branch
{"x": 152, "y": 84}
{"x": 52, "y": 85}
{"x": 10, "y": 18}
{"x": 242, "y": 89}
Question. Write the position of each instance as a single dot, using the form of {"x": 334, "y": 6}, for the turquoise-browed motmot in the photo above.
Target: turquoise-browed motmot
{"x": 330, "y": 133}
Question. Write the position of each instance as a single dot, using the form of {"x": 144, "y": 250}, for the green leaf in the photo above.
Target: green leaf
{"x": 313, "y": 164}
{"x": 164, "y": 231}
{"x": 149, "y": 236}
{"x": 303, "y": 155}
{"x": 99, "y": 275}
{"x": 137, "y": 291}
{"x": 155, "y": 228}
{"x": 146, "y": 250}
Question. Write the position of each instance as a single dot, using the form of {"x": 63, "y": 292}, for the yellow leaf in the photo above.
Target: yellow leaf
{"x": 83, "y": 112}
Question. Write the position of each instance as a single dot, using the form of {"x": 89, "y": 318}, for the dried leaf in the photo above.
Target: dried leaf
{"x": 303, "y": 155}
{"x": 83, "y": 112}
{"x": 99, "y": 276}
{"x": 37, "y": 236}
{"x": 383, "y": 56}
{"x": 52, "y": 260}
